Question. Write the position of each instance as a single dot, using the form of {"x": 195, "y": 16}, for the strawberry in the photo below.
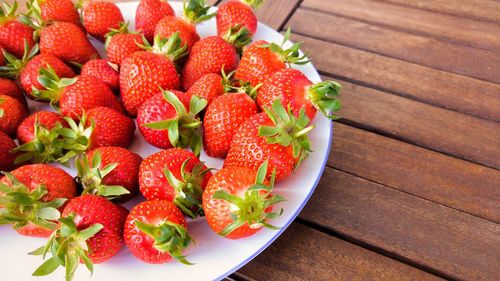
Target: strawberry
{"x": 110, "y": 128}
{"x": 224, "y": 117}
{"x": 7, "y": 156}
{"x": 111, "y": 172}
{"x": 12, "y": 113}
{"x": 54, "y": 10}
{"x": 175, "y": 175}
{"x": 276, "y": 135}
{"x": 296, "y": 91}
{"x": 75, "y": 95}
{"x": 120, "y": 43}
{"x": 14, "y": 34}
{"x": 156, "y": 232}
{"x": 144, "y": 74}
{"x": 103, "y": 70}
{"x": 27, "y": 130}
{"x": 10, "y": 88}
{"x": 235, "y": 12}
{"x": 238, "y": 201}
{"x": 209, "y": 86}
{"x": 169, "y": 119}
{"x": 34, "y": 194}
{"x": 90, "y": 231}
{"x": 195, "y": 11}
{"x": 68, "y": 42}
{"x": 262, "y": 59}
{"x": 149, "y": 13}
{"x": 99, "y": 17}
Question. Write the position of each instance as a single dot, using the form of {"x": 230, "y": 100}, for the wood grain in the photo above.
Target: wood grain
{"x": 418, "y": 82}
{"x": 456, "y": 29}
{"x": 323, "y": 257}
{"x": 460, "y": 59}
{"x": 450, "y": 242}
{"x": 446, "y": 180}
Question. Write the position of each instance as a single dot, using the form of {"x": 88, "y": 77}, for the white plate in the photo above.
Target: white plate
{"x": 214, "y": 257}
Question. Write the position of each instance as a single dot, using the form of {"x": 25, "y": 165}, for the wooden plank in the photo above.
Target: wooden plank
{"x": 446, "y": 180}
{"x": 318, "y": 256}
{"x": 455, "y": 244}
{"x": 457, "y": 29}
{"x": 460, "y": 59}
{"x": 486, "y": 10}
{"x": 444, "y": 89}
{"x": 275, "y": 13}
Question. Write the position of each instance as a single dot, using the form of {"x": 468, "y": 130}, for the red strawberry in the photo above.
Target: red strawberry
{"x": 14, "y": 34}
{"x": 112, "y": 172}
{"x": 97, "y": 225}
{"x": 120, "y": 43}
{"x": 12, "y": 113}
{"x": 156, "y": 232}
{"x": 169, "y": 119}
{"x": 99, "y": 17}
{"x": 10, "y": 88}
{"x": 262, "y": 59}
{"x": 209, "y": 86}
{"x": 7, "y": 156}
{"x": 238, "y": 201}
{"x": 175, "y": 175}
{"x": 195, "y": 11}
{"x": 54, "y": 10}
{"x": 277, "y": 136}
{"x": 68, "y": 42}
{"x": 111, "y": 128}
{"x": 223, "y": 118}
{"x": 149, "y": 13}
{"x": 235, "y": 12}
{"x": 105, "y": 71}
{"x": 296, "y": 91}
{"x": 26, "y": 132}
{"x": 144, "y": 74}
{"x": 35, "y": 193}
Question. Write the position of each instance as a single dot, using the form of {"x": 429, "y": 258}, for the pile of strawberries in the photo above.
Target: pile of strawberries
{"x": 235, "y": 99}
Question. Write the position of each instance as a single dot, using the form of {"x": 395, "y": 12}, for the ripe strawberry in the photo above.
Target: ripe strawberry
{"x": 14, "y": 34}
{"x": 296, "y": 91}
{"x": 156, "y": 232}
{"x": 10, "y": 88}
{"x": 75, "y": 95}
{"x": 209, "y": 86}
{"x": 144, "y": 74}
{"x": 35, "y": 192}
{"x": 120, "y": 43}
{"x": 103, "y": 70}
{"x": 277, "y": 136}
{"x": 262, "y": 59}
{"x": 149, "y": 13}
{"x": 12, "y": 113}
{"x": 7, "y": 156}
{"x": 169, "y": 119}
{"x": 238, "y": 201}
{"x": 27, "y": 130}
{"x": 195, "y": 11}
{"x": 175, "y": 175}
{"x": 90, "y": 232}
{"x": 110, "y": 128}
{"x": 54, "y": 10}
{"x": 68, "y": 42}
{"x": 99, "y": 17}
{"x": 224, "y": 117}
{"x": 111, "y": 172}
{"x": 235, "y": 12}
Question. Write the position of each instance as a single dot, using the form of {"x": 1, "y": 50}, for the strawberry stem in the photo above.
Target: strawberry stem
{"x": 171, "y": 48}
{"x": 196, "y": 11}
{"x": 325, "y": 97}
{"x": 53, "y": 84}
{"x": 255, "y": 4}
{"x": 14, "y": 66}
{"x": 291, "y": 55}
{"x": 238, "y": 36}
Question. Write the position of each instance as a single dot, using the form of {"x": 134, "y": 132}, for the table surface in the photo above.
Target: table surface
{"x": 412, "y": 187}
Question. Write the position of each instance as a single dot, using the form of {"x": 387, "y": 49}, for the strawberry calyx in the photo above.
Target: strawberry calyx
{"x": 291, "y": 55}
{"x": 14, "y": 66}
{"x": 21, "y": 207}
{"x": 33, "y": 17}
{"x": 91, "y": 176}
{"x": 196, "y": 11}
{"x": 183, "y": 130}
{"x": 168, "y": 237}
{"x": 68, "y": 246}
{"x": 122, "y": 29}
{"x": 238, "y": 86}
{"x": 251, "y": 208}
{"x": 2, "y": 100}
{"x": 172, "y": 48}
{"x": 53, "y": 84}
{"x": 325, "y": 97}
{"x": 76, "y": 138}
{"x": 8, "y": 12}
{"x": 288, "y": 129}
{"x": 238, "y": 36}
{"x": 255, "y": 4}
{"x": 189, "y": 189}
